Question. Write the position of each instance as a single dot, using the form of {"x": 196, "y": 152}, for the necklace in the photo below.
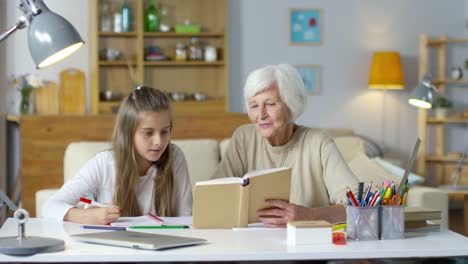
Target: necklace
{"x": 283, "y": 159}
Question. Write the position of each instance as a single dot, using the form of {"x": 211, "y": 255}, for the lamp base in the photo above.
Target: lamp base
{"x": 30, "y": 245}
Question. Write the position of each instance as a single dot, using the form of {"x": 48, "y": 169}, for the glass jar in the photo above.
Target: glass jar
{"x": 106, "y": 17}
{"x": 180, "y": 52}
{"x": 211, "y": 53}
{"x": 166, "y": 23}
{"x": 195, "y": 49}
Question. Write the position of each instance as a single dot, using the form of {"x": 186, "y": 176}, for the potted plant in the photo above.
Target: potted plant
{"x": 441, "y": 105}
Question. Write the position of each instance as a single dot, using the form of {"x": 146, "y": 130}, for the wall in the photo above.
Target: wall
{"x": 352, "y": 31}
{"x": 2, "y": 105}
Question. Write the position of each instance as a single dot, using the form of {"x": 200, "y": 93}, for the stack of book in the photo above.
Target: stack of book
{"x": 422, "y": 219}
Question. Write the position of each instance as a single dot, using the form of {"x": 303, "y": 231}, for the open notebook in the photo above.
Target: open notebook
{"x": 148, "y": 221}
{"x": 137, "y": 240}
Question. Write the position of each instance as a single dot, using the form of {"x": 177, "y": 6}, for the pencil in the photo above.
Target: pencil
{"x": 160, "y": 227}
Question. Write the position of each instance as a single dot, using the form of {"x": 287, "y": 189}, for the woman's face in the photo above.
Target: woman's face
{"x": 152, "y": 135}
{"x": 269, "y": 113}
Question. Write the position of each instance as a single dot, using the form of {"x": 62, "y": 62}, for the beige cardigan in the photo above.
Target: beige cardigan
{"x": 319, "y": 173}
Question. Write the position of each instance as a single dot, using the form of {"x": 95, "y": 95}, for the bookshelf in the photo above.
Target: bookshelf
{"x": 433, "y": 55}
{"x": 188, "y": 77}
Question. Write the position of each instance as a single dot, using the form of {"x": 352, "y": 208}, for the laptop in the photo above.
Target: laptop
{"x": 137, "y": 240}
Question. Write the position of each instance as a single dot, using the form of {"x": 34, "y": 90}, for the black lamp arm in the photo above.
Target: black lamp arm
{"x": 5, "y": 200}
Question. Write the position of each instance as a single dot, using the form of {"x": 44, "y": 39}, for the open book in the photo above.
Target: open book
{"x": 233, "y": 202}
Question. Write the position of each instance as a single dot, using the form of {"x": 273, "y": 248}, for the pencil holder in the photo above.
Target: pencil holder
{"x": 392, "y": 222}
{"x": 362, "y": 223}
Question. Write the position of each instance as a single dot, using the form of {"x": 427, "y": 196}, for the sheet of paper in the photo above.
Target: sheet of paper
{"x": 147, "y": 221}
{"x": 135, "y": 221}
{"x": 179, "y": 220}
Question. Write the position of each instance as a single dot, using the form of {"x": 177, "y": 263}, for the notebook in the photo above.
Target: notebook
{"x": 137, "y": 240}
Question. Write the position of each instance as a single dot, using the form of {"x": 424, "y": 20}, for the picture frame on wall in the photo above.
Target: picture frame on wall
{"x": 305, "y": 26}
{"x": 311, "y": 76}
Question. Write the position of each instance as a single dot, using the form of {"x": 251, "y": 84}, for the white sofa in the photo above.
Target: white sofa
{"x": 203, "y": 155}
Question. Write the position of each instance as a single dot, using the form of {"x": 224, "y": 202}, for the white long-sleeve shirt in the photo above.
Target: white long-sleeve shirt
{"x": 97, "y": 177}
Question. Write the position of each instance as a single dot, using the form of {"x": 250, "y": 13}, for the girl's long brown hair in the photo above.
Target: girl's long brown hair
{"x": 142, "y": 99}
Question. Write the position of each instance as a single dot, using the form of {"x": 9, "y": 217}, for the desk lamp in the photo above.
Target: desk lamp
{"x": 424, "y": 94}
{"x": 51, "y": 37}
{"x": 22, "y": 244}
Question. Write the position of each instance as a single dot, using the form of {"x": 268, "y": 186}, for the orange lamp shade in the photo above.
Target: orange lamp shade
{"x": 386, "y": 71}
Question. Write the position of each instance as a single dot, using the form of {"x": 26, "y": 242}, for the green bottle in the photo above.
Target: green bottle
{"x": 151, "y": 18}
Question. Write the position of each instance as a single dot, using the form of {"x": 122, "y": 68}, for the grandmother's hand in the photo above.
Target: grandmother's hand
{"x": 279, "y": 212}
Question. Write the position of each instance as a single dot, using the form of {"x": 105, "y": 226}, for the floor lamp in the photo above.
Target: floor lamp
{"x": 386, "y": 73}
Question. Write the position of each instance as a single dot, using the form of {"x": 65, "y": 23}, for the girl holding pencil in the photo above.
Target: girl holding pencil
{"x": 142, "y": 173}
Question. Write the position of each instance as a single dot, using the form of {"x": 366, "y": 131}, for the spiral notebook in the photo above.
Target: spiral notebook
{"x": 137, "y": 240}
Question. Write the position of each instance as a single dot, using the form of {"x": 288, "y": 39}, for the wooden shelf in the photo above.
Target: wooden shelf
{"x": 436, "y": 41}
{"x": 115, "y": 63}
{"x": 433, "y": 120}
{"x": 183, "y": 63}
{"x": 183, "y": 35}
{"x": 433, "y": 54}
{"x": 444, "y": 159}
{"x": 209, "y": 106}
{"x": 117, "y": 34}
{"x": 464, "y": 81}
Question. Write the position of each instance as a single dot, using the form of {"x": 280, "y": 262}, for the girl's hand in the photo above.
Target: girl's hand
{"x": 93, "y": 216}
{"x": 279, "y": 212}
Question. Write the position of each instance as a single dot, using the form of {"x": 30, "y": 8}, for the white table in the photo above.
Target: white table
{"x": 229, "y": 245}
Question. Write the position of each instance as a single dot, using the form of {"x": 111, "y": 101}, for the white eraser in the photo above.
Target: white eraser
{"x": 309, "y": 232}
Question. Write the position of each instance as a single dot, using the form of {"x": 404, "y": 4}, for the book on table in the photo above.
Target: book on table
{"x": 422, "y": 219}
{"x": 420, "y": 213}
{"x": 234, "y": 202}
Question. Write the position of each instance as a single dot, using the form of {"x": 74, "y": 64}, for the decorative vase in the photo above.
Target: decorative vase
{"x": 26, "y": 107}
{"x": 441, "y": 112}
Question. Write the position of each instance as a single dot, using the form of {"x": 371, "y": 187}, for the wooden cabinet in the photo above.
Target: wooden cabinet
{"x": 433, "y": 56}
{"x": 188, "y": 77}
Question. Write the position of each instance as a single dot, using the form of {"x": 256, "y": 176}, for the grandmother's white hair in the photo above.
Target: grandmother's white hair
{"x": 290, "y": 86}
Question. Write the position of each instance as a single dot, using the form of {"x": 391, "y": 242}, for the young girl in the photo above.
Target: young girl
{"x": 142, "y": 173}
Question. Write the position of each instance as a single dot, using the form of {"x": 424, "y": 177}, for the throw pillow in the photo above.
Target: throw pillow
{"x": 395, "y": 170}
{"x": 367, "y": 170}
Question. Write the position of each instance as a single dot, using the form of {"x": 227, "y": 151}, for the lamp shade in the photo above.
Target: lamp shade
{"x": 51, "y": 37}
{"x": 386, "y": 71}
{"x": 423, "y": 95}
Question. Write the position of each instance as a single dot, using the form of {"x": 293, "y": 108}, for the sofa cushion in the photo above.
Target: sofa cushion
{"x": 349, "y": 146}
{"x": 202, "y": 157}
{"x": 78, "y": 153}
{"x": 398, "y": 171}
{"x": 367, "y": 170}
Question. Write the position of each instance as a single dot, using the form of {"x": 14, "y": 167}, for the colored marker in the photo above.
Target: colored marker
{"x": 157, "y": 219}
{"x": 94, "y": 203}
{"x": 116, "y": 228}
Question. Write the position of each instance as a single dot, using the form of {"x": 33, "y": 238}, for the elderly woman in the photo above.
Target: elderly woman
{"x": 275, "y": 97}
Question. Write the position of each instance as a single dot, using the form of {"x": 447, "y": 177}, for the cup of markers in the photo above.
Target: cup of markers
{"x": 376, "y": 215}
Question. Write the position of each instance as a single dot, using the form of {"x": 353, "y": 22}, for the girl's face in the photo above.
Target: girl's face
{"x": 152, "y": 135}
